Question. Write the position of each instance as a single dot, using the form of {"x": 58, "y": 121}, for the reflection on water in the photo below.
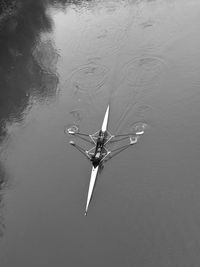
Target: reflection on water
{"x": 3, "y": 186}
{"x": 21, "y": 73}
{"x": 27, "y": 64}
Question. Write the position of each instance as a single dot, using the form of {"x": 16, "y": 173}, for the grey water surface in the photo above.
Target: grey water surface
{"x": 61, "y": 63}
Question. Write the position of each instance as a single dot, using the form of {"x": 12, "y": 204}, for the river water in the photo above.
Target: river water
{"x": 61, "y": 64}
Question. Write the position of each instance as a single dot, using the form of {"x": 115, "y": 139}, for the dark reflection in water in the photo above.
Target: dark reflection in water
{"x": 3, "y": 184}
{"x": 27, "y": 64}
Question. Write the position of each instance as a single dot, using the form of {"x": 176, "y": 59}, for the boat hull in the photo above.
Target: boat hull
{"x": 94, "y": 172}
{"x": 93, "y": 178}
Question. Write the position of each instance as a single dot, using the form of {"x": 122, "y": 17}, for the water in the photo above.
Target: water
{"x": 61, "y": 64}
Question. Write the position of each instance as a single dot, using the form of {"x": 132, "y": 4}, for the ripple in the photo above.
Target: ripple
{"x": 132, "y": 111}
{"x": 71, "y": 129}
{"x": 76, "y": 114}
{"x": 141, "y": 110}
{"x": 102, "y": 39}
{"x": 88, "y": 78}
{"x": 138, "y": 128}
{"x": 143, "y": 71}
{"x": 106, "y": 36}
{"x": 147, "y": 24}
{"x": 134, "y": 139}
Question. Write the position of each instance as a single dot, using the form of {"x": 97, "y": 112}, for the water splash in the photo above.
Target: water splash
{"x": 71, "y": 129}
{"x": 138, "y": 128}
{"x": 133, "y": 139}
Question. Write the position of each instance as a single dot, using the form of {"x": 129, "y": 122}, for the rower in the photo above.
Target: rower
{"x": 97, "y": 156}
{"x": 96, "y": 159}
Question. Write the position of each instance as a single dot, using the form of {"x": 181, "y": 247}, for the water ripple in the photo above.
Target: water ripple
{"x": 143, "y": 70}
{"x": 88, "y": 78}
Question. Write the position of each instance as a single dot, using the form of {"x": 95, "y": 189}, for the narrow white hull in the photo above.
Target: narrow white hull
{"x": 94, "y": 172}
{"x": 105, "y": 121}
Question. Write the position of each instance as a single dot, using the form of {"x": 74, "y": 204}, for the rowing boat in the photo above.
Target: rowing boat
{"x": 98, "y": 154}
{"x": 95, "y": 170}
